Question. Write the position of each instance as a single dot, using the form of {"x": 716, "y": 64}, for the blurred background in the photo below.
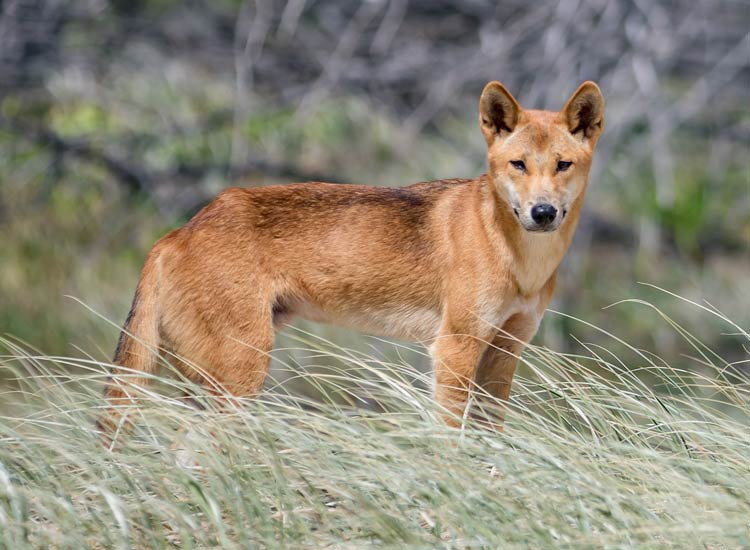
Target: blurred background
{"x": 119, "y": 119}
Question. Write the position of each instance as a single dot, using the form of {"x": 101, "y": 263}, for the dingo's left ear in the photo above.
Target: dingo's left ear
{"x": 498, "y": 111}
{"x": 584, "y": 111}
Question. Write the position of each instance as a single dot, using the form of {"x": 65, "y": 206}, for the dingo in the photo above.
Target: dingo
{"x": 465, "y": 265}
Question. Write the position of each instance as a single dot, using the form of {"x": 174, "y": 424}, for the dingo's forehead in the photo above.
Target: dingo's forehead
{"x": 540, "y": 139}
{"x": 543, "y": 132}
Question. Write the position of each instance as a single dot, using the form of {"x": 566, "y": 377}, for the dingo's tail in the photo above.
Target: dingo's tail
{"x": 137, "y": 348}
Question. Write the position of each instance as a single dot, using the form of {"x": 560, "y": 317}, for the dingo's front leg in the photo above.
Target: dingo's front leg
{"x": 498, "y": 365}
{"x": 455, "y": 358}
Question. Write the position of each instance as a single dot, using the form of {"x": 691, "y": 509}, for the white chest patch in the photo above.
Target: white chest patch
{"x": 543, "y": 253}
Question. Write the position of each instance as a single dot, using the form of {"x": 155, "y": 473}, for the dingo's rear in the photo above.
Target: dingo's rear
{"x": 466, "y": 266}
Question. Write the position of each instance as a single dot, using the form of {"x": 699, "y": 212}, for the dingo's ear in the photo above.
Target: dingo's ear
{"x": 584, "y": 111}
{"x": 498, "y": 111}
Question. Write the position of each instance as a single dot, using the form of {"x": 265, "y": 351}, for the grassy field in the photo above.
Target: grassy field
{"x": 118, "y": 120}
{"x": 609, "y": 447}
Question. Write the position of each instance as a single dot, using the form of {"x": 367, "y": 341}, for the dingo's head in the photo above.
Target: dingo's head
{"x": 539, "y": 160}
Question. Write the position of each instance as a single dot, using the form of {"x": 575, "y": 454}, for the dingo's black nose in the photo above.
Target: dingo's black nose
{"x": 543, "y": 214}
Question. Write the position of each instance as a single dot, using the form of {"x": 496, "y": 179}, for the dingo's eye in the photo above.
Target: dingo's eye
{"x": 563, "y": 165}
{"x": 519, "y": 165}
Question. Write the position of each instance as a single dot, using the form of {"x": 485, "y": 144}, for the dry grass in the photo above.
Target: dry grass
{"x": 601, "y": 449}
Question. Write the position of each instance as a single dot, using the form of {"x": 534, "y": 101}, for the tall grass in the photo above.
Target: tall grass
{"x": 611, "y": 447}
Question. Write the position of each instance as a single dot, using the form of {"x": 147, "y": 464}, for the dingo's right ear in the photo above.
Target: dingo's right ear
{"x": 498, "y": 111}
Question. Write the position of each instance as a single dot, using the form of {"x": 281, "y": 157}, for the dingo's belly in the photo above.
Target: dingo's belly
{"x": 403, "y": 322}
